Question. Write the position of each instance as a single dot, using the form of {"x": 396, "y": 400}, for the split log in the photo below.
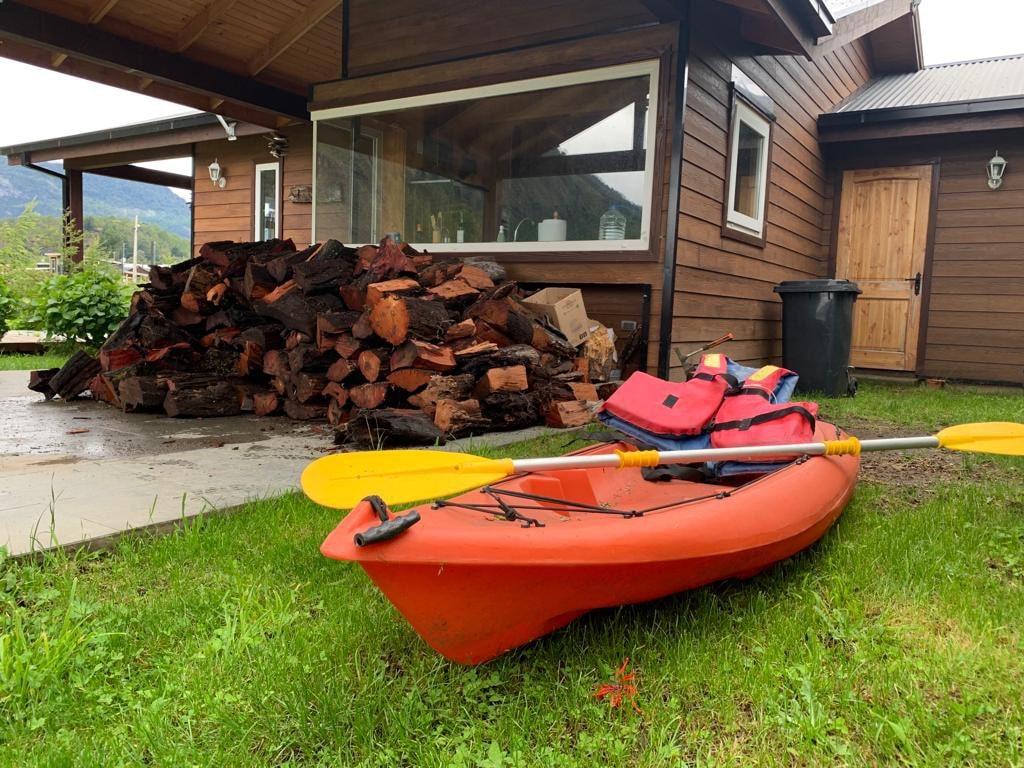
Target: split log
{"x": 465, "y": 329}
{"x": 503, "y": 321}
{"x": 103, "y": 390}
{"x": 340, "y": 370}
{"x": 171, "y": 279}
{"x": 395, "y": 319}
{"x": 420, "y": 354}
{"x": 281, "y": 267}
{"x": 257, "y": 282}
{"x": 141, "y": 393}
{"x": 201, "y": 279}
{"x": 305, "y": 411}
{"x": 476, "y": 277}
{"x": 584, "y": 391}
{"x": 369, "y": 395}
{"x": 362, "y": 328}
{"x": 479, "y": 362}
{"x": 510, "y": 410}
{"x": 306, "y": 357}
{"x": 403, "y": 286}
{"x": 607, "y": 389}
{"x": 455, "y": 292}
{"x": 511, "y": 379}
{"x": 337, "y": 413}
{"x": 322, "y": 273}
{"x": 74, "y": 376}
{"x": 572, "y": 413}
{"x": 411, "y": 379}
{"x": 220, "y": 399}
{"x": 459, "y": 418}
{"x": 275, "y": 362}
{"x": 455, "y": 387}
{"x": 335, "y": 391}
{"x": 331, "y": 325}
{"x": 392, "y": 427}
{"x": 308, "y": 386}
{"x": 293, "y": 310}
{"x": 347, "y": 345}
{"x": 439, "y": 272}
{"x": 39, "y": 381}
{"x": 265, "y": 402}
{"x": 373, "y": 364}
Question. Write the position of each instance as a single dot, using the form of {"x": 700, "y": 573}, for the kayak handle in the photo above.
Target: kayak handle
{"x": 387, "y": 529}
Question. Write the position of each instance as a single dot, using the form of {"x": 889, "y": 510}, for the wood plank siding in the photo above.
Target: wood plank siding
{"x": 973, "y": 323}
{"x": 228, "y": 214}
{"x": 724, "y": 284}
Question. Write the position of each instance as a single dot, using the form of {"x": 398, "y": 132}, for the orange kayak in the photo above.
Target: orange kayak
{"x": 497, "y": 567}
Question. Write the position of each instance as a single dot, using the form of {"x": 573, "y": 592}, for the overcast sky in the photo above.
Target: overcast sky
{"x": 41, "y": 103}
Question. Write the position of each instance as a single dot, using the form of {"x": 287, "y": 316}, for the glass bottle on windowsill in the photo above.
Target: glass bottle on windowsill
{"x": 502, "y": 237}
{"x": 613, "y": 224}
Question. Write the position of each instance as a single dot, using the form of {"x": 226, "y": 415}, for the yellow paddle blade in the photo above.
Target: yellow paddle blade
{"x": 342, "y": 480}
{"x": 1003, "y": 437}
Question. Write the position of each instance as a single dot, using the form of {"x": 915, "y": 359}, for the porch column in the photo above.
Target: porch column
{"x": 77, "y": 220}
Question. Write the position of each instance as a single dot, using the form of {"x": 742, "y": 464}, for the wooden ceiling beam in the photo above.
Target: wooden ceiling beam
{"x": 199, "y": 23}
{"x": 92, "y": 44}
{"x": 287, "y": 37}
{"x": 145, "y": 175}
{"x": 863, "y": 22}
{"x": 100, "y": 9}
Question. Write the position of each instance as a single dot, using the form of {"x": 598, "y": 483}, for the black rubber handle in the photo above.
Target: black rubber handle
{"x": 388, "y": 530}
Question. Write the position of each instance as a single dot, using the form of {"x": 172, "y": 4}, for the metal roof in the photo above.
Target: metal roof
{"x": 961, "y": 83}
{"x": 163, "y": 125}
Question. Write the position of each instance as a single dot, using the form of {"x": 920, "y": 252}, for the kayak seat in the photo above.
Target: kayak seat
{"x": 570, "y": 484}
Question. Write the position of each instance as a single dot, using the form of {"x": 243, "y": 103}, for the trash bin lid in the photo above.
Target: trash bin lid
{"x": 817, "y": 286}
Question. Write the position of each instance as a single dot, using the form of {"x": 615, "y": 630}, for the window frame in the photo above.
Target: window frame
{"x": 257, "y": 188}
{"x": 648, "y": 67}
{"x": 737, "y": 225}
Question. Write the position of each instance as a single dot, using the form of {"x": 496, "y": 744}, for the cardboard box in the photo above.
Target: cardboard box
{"x": 564, "y": 308}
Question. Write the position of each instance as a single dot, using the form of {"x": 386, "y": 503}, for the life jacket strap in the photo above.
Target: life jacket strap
{"x": 761, "y": 418}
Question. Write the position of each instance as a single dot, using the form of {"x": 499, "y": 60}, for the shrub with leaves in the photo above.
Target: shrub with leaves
{"x": 8, "y": 307}
{"x": 86, "y": 305}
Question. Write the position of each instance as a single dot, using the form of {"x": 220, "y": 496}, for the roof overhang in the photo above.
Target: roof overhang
{"x": 922, "y": 120}
{"x": 155, "y": 140}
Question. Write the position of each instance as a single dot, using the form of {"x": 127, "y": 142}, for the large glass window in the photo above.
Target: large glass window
{"x": 555, "y": 163}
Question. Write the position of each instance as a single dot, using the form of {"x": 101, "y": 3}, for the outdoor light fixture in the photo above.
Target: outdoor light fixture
{"x": 996, "y": 166}
{"x": 217, "y": 175}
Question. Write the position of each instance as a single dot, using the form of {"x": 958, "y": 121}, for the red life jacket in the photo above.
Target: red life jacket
{"x": 673, "y": 408}
{"x": 748, "y": 417}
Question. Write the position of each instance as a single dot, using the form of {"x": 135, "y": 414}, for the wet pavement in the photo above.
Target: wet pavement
{"x": 82, "y": 470}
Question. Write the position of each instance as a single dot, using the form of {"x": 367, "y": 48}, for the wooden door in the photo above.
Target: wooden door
{"x": 883, "y": 230}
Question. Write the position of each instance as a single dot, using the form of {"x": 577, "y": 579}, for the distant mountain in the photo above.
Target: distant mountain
{"x": 103, "y": 196}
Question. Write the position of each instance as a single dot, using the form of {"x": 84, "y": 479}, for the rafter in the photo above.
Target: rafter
{"x": 89, "y": 43}
{"x": 57, "y": 59}
{"x": 199, "y": 23}
{"x": 286, "y": 38}
{"x": 100, "y": 9}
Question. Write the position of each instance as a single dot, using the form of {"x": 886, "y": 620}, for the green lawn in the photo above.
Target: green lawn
{"x": 20, "y": 362}
{"x": 896, "y": 640}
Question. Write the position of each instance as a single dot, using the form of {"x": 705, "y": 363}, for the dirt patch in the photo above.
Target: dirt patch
{"x": 917, "y": 471}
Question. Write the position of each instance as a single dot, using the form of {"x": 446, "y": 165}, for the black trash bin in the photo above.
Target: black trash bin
{"x": 817, "y": 325}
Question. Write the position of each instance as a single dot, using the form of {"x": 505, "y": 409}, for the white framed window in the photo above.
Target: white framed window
{"x": 267, "y": 201}
{"x": 557, "y": 163}
{"x": 750, "y": 135}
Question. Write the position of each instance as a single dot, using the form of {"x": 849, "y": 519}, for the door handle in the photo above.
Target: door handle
{"x": 916, "y": 280}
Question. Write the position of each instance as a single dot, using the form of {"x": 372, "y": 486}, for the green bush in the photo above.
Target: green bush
{"x": 8, "y": 307}
{"x": 86, "y": 305}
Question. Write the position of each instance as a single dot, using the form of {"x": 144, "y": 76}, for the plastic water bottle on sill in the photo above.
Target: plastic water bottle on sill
{"x": 613, "y": 224}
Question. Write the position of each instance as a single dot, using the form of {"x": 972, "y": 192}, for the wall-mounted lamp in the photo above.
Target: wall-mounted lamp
{"x": 996, "y": 167}
{"x": 217, "y": 175}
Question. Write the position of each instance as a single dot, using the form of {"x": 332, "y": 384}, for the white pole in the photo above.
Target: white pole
{"x": 720, "y": 454}
{"x": 135, "y": 252}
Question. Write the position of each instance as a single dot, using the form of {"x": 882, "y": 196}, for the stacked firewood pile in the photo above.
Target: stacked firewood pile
{"x": 388, "y": 345}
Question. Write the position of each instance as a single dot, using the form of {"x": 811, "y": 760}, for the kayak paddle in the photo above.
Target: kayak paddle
{"x": 342, "y": 480}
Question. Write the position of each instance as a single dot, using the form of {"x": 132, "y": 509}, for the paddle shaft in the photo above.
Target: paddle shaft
{"x": 719, "y": 454}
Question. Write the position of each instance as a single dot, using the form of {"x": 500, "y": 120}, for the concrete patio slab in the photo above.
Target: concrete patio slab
{"x": 81, "y": 470}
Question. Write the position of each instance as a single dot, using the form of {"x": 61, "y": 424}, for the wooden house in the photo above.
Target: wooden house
{"x": 692, "y": 129}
